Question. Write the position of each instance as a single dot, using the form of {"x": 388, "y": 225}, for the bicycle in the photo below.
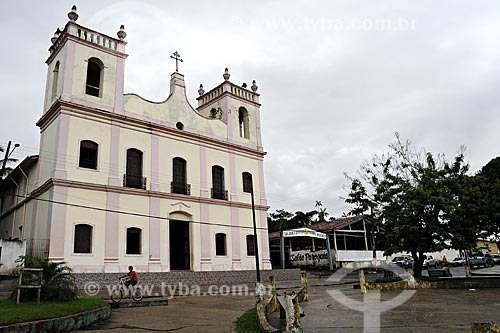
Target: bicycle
{"x": 118, "y": 293}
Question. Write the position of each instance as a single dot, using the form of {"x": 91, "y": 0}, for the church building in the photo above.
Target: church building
{"x": 120, "y": 180}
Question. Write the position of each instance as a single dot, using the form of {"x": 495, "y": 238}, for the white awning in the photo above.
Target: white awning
{"x": 303, "y": 232}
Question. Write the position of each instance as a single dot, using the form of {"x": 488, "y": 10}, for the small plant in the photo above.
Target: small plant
{"x": 58, "y": 283}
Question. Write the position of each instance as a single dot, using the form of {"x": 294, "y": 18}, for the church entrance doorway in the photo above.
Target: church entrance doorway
{"x": 180, "y": 249}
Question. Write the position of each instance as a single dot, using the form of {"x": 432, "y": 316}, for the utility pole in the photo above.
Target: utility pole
{"x": 257, "y": 268}
{"x": 6, "y": 157}
{"x": 4, "y": 164}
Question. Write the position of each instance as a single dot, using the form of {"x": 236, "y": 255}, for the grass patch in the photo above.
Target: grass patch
{"x": 247, "y": 322}
{"x": 12, "y": 313}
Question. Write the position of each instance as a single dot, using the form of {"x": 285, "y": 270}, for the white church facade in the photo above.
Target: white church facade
{"x": 120, "y": 180}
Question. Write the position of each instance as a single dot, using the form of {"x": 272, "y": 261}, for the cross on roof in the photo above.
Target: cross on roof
{"x": 177, "y": 58}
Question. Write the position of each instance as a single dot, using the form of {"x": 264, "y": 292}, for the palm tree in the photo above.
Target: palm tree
{"x": 322, "y": 215}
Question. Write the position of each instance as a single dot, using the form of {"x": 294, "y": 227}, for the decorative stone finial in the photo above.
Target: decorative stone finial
{"x": 73, "y": 15}
{"x": 254, "y": 86}
{"x": 56, "y": 35}
{"x": 121, "y": 33}
{"x": 226, "y": 74}
{"x": 244, "y": 85}
{"x": 201, "y": 91}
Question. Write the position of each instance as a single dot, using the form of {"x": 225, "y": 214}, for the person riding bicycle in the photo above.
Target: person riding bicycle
{"x": 132, "y": 277}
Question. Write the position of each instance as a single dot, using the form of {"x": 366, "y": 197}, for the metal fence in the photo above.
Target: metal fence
{"x": 37, "y": 248}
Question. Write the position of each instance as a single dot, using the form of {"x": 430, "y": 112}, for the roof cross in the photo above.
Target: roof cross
{"x": 177, "y": 58}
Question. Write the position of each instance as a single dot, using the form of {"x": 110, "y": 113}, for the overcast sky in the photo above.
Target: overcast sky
{"x": 336, "y": 78}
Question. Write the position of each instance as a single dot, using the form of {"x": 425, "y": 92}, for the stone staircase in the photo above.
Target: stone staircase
{"x": 7, "y": 286}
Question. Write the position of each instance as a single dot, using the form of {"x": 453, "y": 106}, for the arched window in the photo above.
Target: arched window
{"x": 55, "y": 79}
{"x": 83, "y": 239}
{"x": 220, "y": 244}
{"x": 133, "y": 241}
{"x": 247, "y": 182}
{"x": 93, "y": 85}
{"x": 133, "y": 178}
{"x": 218, "y": 188}
{"x": 243, "y": 123}
{"x": 250, "y": 245}
{"x": 88, "y": 154}
{"x": 179, "y": 178}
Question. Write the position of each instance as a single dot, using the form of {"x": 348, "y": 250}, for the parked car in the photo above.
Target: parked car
{"x": 480, "y": 260}
{"x": 403, "y": 261}
{"x": 429, "y": 261}
{"x": 458, "y": 261}
{"x": 496, "y": 258}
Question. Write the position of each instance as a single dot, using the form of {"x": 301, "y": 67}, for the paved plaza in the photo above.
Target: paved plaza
{"x": 430, "y": 310}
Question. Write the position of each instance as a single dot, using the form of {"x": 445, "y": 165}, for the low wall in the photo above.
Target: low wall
{"x": 10, "y": 250}
{"x": 190, "y": 278}
{"x": 62, "y": 324}
{"x": 441, "y": 283}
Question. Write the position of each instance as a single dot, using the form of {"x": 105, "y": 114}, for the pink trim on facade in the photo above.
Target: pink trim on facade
{"x": 69, "y": 65}
{"x": 154, "y": 230}
{"x": 35, "y": 220}
{"x": 262, "y": 194}
{"x": 39, "y": 163}
{"x": 57, "y": 223}
{"x": 155, "y": 164}
{"x": 111, "y": 228}
{"x": 232, "y": 178}
{"x": 61, "y": 148}
{"x": 48, "y": 97}
{"x": 206, "y": 255}
{"x": 257, "y": 124}
{"x": 235, "y": 234}
{"x": 119, "y": 85}
{"x": 227, "y": 111}
{"x": 264, "y": 237}
{"x": 204, "y": 193}
{"x": 113, "y": 178}
{"x": 98, "y": 111}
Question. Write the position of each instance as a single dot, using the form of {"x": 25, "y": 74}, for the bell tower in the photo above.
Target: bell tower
{"x": 236, "y": 106}
{"x": 86, "y": 67}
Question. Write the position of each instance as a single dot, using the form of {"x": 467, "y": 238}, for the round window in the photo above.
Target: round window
{"x": 179, "y": 125}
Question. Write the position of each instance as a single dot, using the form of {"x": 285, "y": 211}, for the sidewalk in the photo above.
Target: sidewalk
{"x": 189, "y": 314}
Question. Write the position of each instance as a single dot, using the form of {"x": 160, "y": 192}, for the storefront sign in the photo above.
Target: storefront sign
{"x": 309, "y": 258}
{"x": 303, "y": 232}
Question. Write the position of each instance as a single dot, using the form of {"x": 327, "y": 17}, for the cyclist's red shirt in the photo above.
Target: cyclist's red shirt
{"x": 133, "y": 275}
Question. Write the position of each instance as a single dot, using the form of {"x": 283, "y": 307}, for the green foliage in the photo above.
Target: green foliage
{"x": 421, "y": 201}
{"x": 58, "y": 283}
{"x": 247, "y": 323}
{"x": 18, "y": 313}
{"x": 283, "y": 220}
{"x": 489, "y": 179}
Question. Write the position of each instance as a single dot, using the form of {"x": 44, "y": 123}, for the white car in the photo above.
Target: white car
{"x": 429, "y": 261}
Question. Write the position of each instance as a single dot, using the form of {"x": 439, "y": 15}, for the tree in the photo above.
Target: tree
{"x": 279, "y": 220}
{"x": 301, "y": 219}
{"x": 58, "y": 282}
{"x": 322, "y": 213}
{"x": 489, "y": 183}
{"x": 410, "y": 194}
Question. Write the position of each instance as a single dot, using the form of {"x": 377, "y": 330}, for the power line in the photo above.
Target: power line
{"x": 165, "y": 176}
{"x": 132, "y": 213}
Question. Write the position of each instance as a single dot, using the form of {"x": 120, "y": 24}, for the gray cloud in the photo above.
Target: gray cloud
{"x": 335, "y": 86}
